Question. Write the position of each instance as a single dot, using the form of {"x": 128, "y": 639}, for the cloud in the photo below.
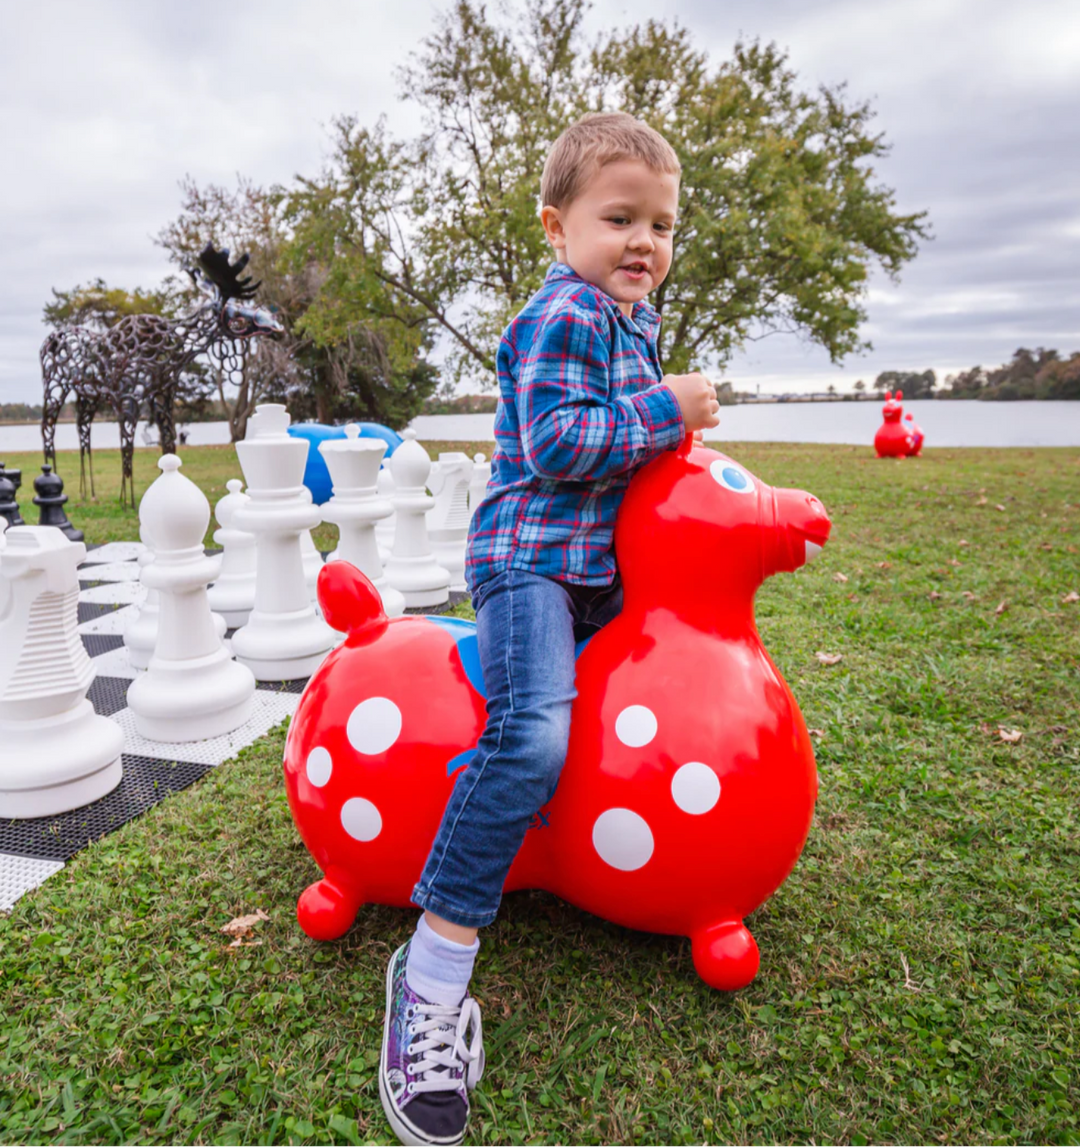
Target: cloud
{"x": 107, "y": 106}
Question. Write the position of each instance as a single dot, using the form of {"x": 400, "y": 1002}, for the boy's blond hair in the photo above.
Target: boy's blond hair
{"x": 595, "y": 140}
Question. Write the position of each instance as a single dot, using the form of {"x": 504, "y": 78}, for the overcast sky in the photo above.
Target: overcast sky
{"x": 106, "y": 104}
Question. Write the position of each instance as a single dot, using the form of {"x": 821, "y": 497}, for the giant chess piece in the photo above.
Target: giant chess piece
{"x": 56, "y": 754}
{"x": 140, "y": 634}
{"x": 412, "y": 568}
{"x": 192, "y": 688}
{"x": 50, "y": 499}
{"x": 284, "y": 638}
{"x": 384, "y": 529}
{"x": 310, "y": 557}
{"x": 353, "y": 463}
{"x": 481, "y": 476}
{"x": 14, "y": 476}
{"x": 9, "y": 508}
{"x": 448, "y": 520}
{"x": 233, "y": 594}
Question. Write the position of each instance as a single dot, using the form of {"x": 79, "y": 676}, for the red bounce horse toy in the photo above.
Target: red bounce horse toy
{"x": 689, "y": 783}
{"x": 893, "y": 439}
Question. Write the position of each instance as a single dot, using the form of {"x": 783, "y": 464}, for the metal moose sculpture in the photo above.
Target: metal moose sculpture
{"x": 138, "y": 361}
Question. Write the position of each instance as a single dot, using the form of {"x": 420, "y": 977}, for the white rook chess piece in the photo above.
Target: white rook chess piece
{"x": 384, "y": 529}
{"x": 412, "y": 568}
{"x": 56, "y": 754}
{"x": 284, "y": 637}
{"x": 192, "y": 688}
{"x": 233, "y": 594}
{"x": 481, "y": 476}
{"x": 448, "y": 520}
{"x": 353, "y": 463}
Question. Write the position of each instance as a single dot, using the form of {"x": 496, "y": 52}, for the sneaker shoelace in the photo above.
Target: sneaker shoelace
{"x": 439, "y": 1033}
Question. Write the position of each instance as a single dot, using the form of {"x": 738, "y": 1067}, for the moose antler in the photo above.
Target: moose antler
{"x": 225, "y": 276}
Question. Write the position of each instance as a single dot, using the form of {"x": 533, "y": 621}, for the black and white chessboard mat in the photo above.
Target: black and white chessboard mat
{"x": 33, "y": 849}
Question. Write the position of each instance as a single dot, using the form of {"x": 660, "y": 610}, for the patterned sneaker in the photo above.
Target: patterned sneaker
{"x": 427, "y": 1070}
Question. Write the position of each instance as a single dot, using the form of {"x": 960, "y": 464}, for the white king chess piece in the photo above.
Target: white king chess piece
{"x": 192, "y": 688}
{"x": 56, "y": 753}
{"x": 448, "y": 520}
{"x": 284, "y": 637}
{"x": 353, "y": 463}
{"x": 233, "y": 594}
{"x": 412, "y": 568}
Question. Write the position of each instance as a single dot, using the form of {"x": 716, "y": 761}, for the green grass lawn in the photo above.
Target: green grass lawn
{"x": 920, "y": 975}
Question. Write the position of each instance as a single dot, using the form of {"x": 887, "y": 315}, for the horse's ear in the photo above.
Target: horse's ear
{"x": 888, "y": 396}
{"x": 899, "y": 395}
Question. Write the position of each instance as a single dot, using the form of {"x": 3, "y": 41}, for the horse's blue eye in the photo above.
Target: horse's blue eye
{"x": 731, "y": 477}
{"x": 734, "y": 478}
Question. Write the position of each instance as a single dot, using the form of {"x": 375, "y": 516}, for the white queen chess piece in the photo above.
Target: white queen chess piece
{"x": 284, "y": 638}
{"x": 412, "y": 568}
{"x": 233, "y": 594}
{"x": 353, "y": 463}
{"x": 192, "y": 688}
{"x": 448, "y": 520}
{"x": 56, "y": 753}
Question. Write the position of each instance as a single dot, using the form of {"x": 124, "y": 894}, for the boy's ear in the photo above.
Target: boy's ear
{"x": 553, "y": 228}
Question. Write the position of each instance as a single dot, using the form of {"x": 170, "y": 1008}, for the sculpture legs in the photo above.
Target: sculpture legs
{"x": 725, "y": 955}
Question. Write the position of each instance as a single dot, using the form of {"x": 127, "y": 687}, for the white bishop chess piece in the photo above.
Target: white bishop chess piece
{"x": 448, "y": 520}
{"x": 56, "y": 753}
{"x": 233, "y": 594}
{"x": 192, "y": 688}
{"x": 384, "y": 528}
{"x": 481, "y": 476}
{"x": 284, "y": 638}
{"x": 412, "y": 568}
{"x": 353, "y": 463}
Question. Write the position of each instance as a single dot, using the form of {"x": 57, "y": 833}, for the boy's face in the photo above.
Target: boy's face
{"x": 617, "y": 233}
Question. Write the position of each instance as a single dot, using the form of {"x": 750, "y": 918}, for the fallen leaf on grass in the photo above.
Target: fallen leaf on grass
{"x": 1046, "y": 546}
{"x": 1071, "y": 549}
{"x": 962, "y": 542}
{"x": 1012, "y": 736}
{"x": 981, "y": 502}
{"x": 1072, "y": 596}
{"x": 240, "y": 927}
{"x": 816, "y": 732}
{"x": 968, "y": 595}
{"x": 828, "y": 659}
{"x": 933, "y": 595}
{"x": 838, "y": 577}
{"x": 998, "y": 506}
{"x": 955, "y": 562}
{"x": 1002, "y": 607}
{"x": 884, "y": 565}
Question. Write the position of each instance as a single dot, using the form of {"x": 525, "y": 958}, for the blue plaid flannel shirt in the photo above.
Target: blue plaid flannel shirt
{"x": 581, "y": 408}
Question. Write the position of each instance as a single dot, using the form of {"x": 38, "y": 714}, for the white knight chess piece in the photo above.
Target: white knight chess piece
{"x": 56, "y": 753}
{"x": 448, "y": 520}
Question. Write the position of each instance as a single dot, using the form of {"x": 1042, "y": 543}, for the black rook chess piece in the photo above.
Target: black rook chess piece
{"x": 9, "y": 506}
{"x": 51, "y": 498}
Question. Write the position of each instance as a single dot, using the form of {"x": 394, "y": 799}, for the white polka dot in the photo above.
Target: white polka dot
{"x": 695, "y": 787}
{"x": 374, "y": 726}
{"x": 360, "y": 819}
{"x": 636, "y": 726}
{"x": 623, "y": 839}
{"x": 319, "y": 765}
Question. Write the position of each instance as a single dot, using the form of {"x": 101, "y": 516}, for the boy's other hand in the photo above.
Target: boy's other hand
{"x": 696, "y": 397}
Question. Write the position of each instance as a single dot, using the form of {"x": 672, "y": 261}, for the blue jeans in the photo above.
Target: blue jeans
{"x": 526, "y": 628}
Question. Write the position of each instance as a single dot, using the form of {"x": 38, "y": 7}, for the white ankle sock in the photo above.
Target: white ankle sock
{"x": 439, "y": 969}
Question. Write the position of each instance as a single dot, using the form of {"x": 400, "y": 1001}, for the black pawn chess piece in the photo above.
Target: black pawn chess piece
{"x": 50, "y": 498}
{"x": 9, "y": 506}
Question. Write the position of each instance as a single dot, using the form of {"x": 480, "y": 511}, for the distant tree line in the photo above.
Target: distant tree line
{"x": 1039, "y": 374}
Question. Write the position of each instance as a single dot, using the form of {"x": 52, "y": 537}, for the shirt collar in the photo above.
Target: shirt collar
{"x": 645, "y": 319}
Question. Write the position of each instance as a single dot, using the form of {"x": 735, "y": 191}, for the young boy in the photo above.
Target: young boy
{"x": 583, "y": 404}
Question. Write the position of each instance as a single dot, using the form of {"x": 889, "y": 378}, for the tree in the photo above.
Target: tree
{"x": 100, "y": 307}
{"x": 914, "y": 384}
{"x": 859, "y": 387}
{"x": 781, "y": 218}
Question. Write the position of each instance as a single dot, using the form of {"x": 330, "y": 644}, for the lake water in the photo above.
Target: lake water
{"x": 944, "y": 423}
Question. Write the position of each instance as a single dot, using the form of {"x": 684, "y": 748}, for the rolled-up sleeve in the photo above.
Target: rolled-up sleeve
{"x": 571, "y": 426}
